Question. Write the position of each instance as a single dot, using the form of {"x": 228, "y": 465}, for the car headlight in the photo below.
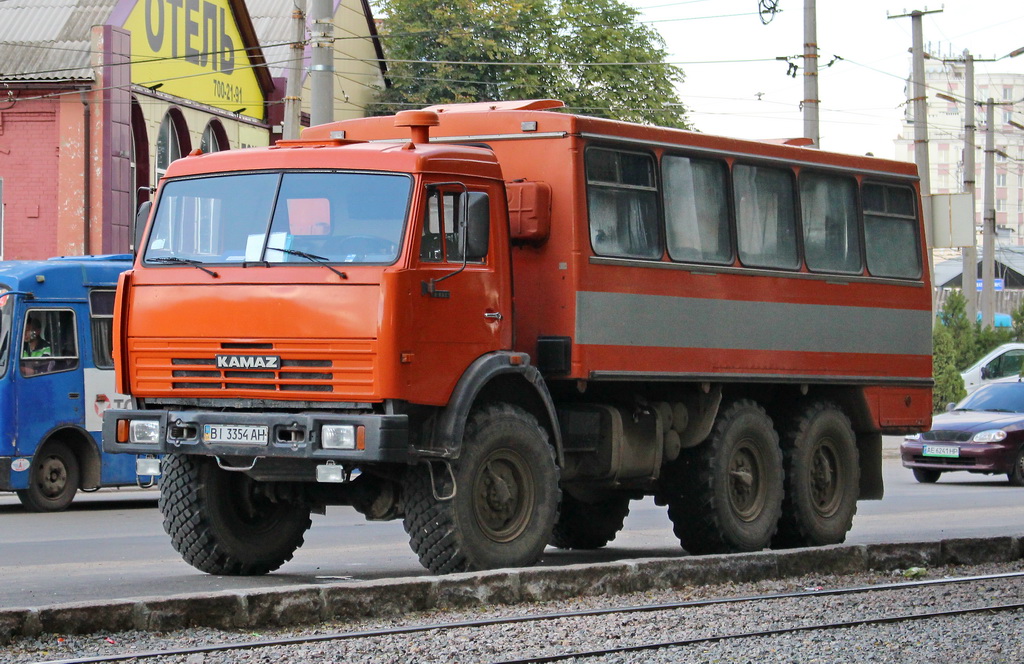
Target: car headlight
{"x": 990, "y": 436}
{"x": 912, "y": 436}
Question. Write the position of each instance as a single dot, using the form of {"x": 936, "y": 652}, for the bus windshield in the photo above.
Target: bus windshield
{"x": 280, "y": 217}
{"x": 6, "y": 323}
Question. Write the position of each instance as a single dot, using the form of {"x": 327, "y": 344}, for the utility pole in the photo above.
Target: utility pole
{"x": 988, "y": 238}
{"x": 811, "y": 102}
{"x": 970, "y": 252}
{"x": 321, "y": 70}
{"x": 293, "y": 92}
{"x": 921, "y": 133}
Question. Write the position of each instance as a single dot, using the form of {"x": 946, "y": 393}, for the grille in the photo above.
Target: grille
{"x": 947, "y": 436}
{"x": 345, "y": 368}
{"x": 960, "y": 462}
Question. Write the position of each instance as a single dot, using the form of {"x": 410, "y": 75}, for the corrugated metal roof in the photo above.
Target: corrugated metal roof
{"x": 48, "y": 40}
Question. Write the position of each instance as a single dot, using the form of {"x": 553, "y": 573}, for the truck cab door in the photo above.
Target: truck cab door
{"x": 462, "y": 308}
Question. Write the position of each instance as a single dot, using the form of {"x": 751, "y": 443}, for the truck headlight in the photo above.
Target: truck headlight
{"x": 338, "y": 437}
{"x": 144, "y": 431}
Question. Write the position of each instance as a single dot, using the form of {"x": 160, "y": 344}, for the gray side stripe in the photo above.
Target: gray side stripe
{"x": 624, "y": 319}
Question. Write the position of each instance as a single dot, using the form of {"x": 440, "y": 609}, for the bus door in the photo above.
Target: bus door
{"x": 49, "y": 393}
{"x": 98, "y": 383}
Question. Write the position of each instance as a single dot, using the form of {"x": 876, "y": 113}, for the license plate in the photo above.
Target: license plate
{"x": 948, "y": 451}
{"x": 235, "y": 433}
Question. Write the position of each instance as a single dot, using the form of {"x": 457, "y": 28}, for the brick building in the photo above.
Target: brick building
{"x": 98, "y": 96}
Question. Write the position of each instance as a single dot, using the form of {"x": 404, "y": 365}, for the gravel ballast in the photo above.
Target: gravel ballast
{"x": 988, "y": 638}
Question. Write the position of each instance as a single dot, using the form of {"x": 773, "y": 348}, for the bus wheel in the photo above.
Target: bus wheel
{"x": 589, "y": 525}
{"x": 53, "y": 479}
{"x": 732, "y": 489}
{"x": 504, "y": 502}
{"x": 822, "y": 478}
{"x": 224, "y": 522}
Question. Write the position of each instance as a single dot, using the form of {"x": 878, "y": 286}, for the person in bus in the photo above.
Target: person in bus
{"x": 33, "y": 346}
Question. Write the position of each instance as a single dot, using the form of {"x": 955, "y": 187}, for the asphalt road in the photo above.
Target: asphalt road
{"x": 111, "y": 545}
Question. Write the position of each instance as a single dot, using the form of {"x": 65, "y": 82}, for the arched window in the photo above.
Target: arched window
{"x": 215, "y": 138}
{"x": 140, "y": 156}
{"x": 172, "y": 142}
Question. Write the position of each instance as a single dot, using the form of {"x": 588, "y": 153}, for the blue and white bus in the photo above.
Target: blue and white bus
{"x": 57, "y": 378}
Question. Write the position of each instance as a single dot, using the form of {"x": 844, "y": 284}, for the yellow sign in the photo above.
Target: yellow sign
{"x": 193, "y": 49}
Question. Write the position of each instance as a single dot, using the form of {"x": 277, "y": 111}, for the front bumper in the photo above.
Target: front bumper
{"x": 974, "y": 457}
{"x": 385, "y": 438}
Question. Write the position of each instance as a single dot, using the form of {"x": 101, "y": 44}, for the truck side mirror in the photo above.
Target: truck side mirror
{"x": 140, "y": 224}
{"x": 478, "y": 225}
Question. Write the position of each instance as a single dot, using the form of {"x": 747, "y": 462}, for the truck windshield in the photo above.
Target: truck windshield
{"x": 280, "y": 217}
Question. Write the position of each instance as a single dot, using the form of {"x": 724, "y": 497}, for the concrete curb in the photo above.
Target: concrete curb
{"x": 394, "y": 597}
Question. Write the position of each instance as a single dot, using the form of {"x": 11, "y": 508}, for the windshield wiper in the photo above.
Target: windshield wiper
{"x": 184, "y": 261}
{"x": 313, "y": 258}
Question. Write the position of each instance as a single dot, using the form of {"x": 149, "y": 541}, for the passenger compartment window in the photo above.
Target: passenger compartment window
{"x": 891, "y": 242}
{"x": 623, "y": 204}
{"x": 765, "y": 217}
{"x": 101, "y": 316}
{"x": 828, "y": 207}
{"x": 696, "y": 210}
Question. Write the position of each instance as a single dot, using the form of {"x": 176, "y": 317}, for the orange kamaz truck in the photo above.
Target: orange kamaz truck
{"x": 501, "y": 323}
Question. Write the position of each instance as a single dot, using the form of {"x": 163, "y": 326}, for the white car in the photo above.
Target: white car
{"x": 1003, "y": 362}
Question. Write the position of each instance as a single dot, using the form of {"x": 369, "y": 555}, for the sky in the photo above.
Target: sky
{"x": 735, "y": 86}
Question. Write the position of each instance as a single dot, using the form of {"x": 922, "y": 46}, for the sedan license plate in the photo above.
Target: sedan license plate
{"x": 947, "y": 451}
{"x": 235, "y": 433}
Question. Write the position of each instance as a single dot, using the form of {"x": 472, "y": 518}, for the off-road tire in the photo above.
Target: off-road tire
{"x": 822, "y": 478}
{"x": 220, "y": 525}
{"x": 732, "y": 485}
{"x": 503, "y": 506}
{"x": 54, "y": 479}
{"x": 589, "y": 525}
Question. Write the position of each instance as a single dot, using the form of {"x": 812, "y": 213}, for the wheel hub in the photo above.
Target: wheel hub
{"x": 747, "y": 482}
{"x": 824, "y": 480}
{"x": 53, "y": 476}
{"x": 503, "y": 498}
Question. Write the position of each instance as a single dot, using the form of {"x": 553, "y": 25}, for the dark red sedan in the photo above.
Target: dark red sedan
{"x": 984, "y": 433}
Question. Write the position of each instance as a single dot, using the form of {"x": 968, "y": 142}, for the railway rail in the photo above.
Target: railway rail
{"x": 768, "y": 625}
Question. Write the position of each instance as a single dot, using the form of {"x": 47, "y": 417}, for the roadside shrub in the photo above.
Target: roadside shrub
{"x": 949, "y": 386}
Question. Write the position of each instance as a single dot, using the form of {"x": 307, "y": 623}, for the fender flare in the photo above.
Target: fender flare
{"x": 450, "y": 425}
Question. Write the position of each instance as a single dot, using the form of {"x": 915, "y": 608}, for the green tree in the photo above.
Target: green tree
{"x": 448, "y": 51}
{"x": 962, "y": 331}
{"x": 949, "y": 386}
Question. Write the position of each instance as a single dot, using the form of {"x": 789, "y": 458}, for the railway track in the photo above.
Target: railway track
{"x": 681, "y": 622}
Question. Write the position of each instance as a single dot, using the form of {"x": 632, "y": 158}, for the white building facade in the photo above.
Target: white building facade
{"x": 946, "y": 92}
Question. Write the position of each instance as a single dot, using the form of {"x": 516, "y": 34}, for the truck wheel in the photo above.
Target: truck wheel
{"x": 589, "y": 525}
{"x": 504, "y": 503}
{"x": 732, "y": 489}
{"x": 54, "y": 479}
{"x": 221, "y": 523}
{"x": 822, "y": 482}
{"x": 927, "y": 475}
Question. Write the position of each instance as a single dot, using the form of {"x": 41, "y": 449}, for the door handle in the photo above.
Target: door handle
{"x": 494, "y": 315}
